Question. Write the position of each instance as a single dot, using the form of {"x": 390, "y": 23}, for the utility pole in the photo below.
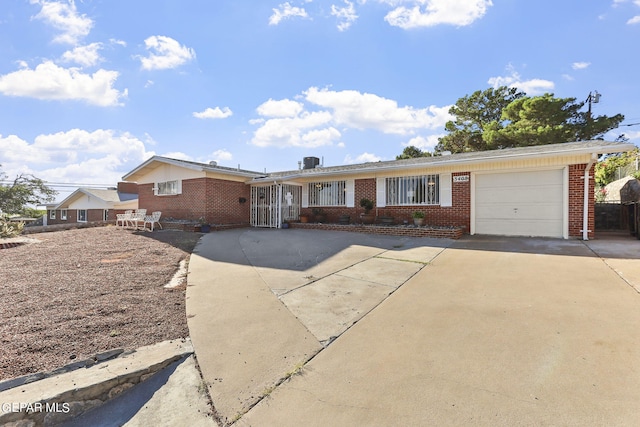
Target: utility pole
{"x": 592, "y": 98}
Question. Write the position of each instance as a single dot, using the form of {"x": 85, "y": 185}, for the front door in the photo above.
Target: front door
{"x": 273, "y": 204}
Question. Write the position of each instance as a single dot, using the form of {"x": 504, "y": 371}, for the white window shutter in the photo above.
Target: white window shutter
{"x": 305, "y": 195}
{"x": 446, "y": 197}
{"x": 381, "y": 192}
{"x": 350, "y": 186}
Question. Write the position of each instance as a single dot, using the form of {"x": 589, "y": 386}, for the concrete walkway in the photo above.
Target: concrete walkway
{"x": 294, "y": 327}
{"x": 261, "y": 303}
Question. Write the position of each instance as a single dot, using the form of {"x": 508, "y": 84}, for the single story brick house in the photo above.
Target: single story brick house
{"x": 543, "y": 190}
{"x": 93, "y": 205}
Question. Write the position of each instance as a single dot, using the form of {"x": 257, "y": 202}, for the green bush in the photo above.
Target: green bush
{"x": 366, "y": 204}
{"x": 10, "y": 229}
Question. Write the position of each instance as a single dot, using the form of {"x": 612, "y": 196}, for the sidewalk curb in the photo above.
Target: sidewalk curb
{"x": 56, "y": 397}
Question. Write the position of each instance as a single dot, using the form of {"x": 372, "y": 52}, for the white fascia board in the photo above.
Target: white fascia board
{"x": 448, "y": 160}
{"x": 188, "y": 165}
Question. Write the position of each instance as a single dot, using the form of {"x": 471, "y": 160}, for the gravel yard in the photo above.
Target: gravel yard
{"x": 68, "y": 295}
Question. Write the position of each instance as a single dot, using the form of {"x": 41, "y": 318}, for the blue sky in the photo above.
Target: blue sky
{"x": 89, "y": 89}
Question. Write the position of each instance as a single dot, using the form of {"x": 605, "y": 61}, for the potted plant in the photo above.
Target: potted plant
{"x": 205, "y": 227}
{"x": 367, "y": 217}
{"x": 418, "y": 218}
{"x": 319, "y": 215}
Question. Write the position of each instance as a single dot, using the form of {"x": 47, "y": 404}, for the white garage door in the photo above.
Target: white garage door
{"x": 520, "y": 203}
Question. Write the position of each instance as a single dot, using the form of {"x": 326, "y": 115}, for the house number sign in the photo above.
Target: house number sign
{"x": 461, "y": 178}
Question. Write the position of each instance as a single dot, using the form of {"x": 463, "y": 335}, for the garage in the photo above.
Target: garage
{"x": 523, "y": 203}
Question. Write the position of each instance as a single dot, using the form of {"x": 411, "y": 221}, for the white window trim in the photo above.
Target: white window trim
{"x": 63, "y": 214}
{"x": 85, "y": 215}
{"x": 381, "y": 192}
{"x": 350, "y": 188}
{"x": 446, "y": 190}
{"x": 156, "y": 188}
{"x": 52, "y": 214}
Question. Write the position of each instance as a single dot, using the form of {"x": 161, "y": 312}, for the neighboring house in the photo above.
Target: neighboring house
{"x": 93, "y": 205}
{"x": 529, "y": 191}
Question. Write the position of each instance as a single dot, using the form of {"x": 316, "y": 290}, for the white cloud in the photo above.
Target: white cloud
{"x": 214, "y": 113}
{"x": 77, "y": 156}
{"x": 428, "y": 143}
{"x": 368, "y": 111}
{"x": 320, "y": 137}
{"x": 14, "y": 150}
{"x": 51, "y": 82}
{"x": 346, "y": 15}
{"x": 286, "y": 11}
{"x": 580, "y": 65}
{"x": 299, "y": 131}
{"x": 165, "y": 53}
{"x": 362, "y": 158}
{"x": 428, "y": 13}
{"x": 222, "y": 155}
{"x": 634, "y": 20}
{"x": 118, "y": 42}
{"x": 84, "y": 55}
{"x": 634, "y": 136}
{"x": 64, "y": 17}
{"x": 513, "y": 79}
{"x": 288, "y": 123}
{"x": 280, "y": 108}
{"x": 535, "y": 86}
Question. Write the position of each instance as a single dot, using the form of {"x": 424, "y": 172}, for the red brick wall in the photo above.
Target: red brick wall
{"x": 128, "y": 187}
{"x": 451, "y": 233}
{"x": 72, "y": 216}
{"x": 215, "y": 200}
{"x": 95, "y": 215}
{"x": 576, "y": 200}
{"x": 457, "y": 215}
{"x": 188, "y": 205}
{"x": 223, "y": 205}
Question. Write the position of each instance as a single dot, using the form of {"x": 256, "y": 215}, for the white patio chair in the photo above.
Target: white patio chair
{"x": 123, "y": 219}
{"x": 152, "y": 219}
{"x": 137, "y": 218}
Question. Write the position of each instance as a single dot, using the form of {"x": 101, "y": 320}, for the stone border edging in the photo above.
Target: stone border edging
{"x": 86, "y": 363}
{"x": 62, "y": 396}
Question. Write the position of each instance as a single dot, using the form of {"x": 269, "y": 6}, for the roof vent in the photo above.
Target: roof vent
{"x": 213, "y": 163}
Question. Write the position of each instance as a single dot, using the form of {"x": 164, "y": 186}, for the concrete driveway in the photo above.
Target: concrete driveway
{"x": 294, "y": 327}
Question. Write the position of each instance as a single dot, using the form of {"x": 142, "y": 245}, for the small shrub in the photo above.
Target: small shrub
{"x": 10, "y": 229}
{"x": 418, "y": 214}
{"x": 366, "y": 204}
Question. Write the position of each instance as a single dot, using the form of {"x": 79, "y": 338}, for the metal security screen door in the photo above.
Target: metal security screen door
{"x": 273, "y": 204}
